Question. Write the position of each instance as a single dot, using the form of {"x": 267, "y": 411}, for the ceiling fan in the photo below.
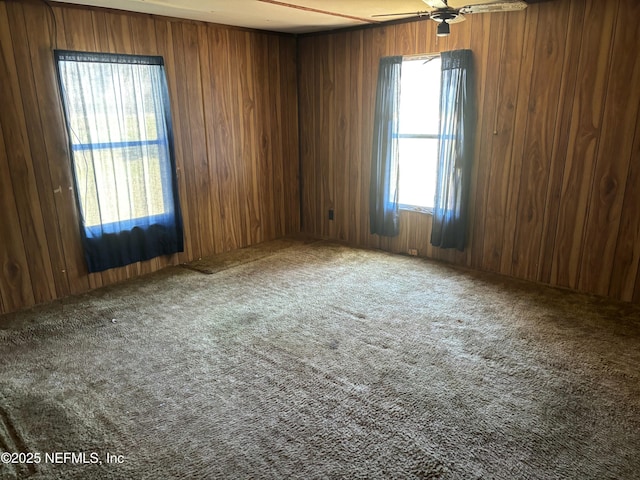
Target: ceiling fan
{"x": 444, "y": 14}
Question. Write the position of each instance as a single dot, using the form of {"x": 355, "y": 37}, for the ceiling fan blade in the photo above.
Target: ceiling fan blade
{"x": 419, "y": 14}
{"x": 436, "y": 3}
{"x": 494, "y": 7}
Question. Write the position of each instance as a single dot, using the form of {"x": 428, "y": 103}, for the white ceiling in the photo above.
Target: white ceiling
{"x": 292, "y": 16}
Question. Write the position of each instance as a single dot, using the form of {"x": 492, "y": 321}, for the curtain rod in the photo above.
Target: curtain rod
{"x": 421, "y": 56}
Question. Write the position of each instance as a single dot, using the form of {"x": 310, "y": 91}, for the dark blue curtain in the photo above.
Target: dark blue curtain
{"x": 383, "y": 201}
{"x": 119, "y": 125}
{"x": 457, "y": 124}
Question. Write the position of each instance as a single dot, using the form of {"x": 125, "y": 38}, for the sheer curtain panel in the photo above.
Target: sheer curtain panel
{"x": 457, "y": 121}
{"x": 383, "y": 202}
{"x": 119, "y": 127}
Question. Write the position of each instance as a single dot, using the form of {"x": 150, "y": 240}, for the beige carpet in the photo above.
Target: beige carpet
{"x": 235, "y": 258}
{"x": 321, "y": 361}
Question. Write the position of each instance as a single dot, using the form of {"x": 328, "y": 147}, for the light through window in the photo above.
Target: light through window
{"x": 418, "y": 135}
{"x": 118, "y": 135}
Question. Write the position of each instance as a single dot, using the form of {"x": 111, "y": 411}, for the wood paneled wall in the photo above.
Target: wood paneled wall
{"x": 556, "y": 182}
{"x": 234, "y": 105}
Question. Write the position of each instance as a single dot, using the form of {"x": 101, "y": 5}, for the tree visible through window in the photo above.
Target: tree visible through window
{"x": 418, "y": 132}
{"x": 119, "y": 128}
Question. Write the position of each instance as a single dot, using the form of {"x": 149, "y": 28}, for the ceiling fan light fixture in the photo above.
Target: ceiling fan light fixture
{"x": 443, "y": 29}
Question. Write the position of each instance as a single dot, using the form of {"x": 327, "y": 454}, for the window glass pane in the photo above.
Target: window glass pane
{"x": 110, "y": 102}
{"x": 420, "y": 96}
{"x": 419, "y": 116}
{"x": 418, "y": 158}
{"x": 127, "y": 184}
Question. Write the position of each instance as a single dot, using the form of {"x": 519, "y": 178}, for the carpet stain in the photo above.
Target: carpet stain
{"x": 333, "y": 344}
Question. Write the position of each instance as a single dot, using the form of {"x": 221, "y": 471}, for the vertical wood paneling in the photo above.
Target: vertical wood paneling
{"x": 405, "y": 38}
{"x": 72, "y": 259}
{"x": 143, "y": 36}
{"x": 118, "y": 32}
{"x": 613, "y": 155}
{"x": 182, "y": 106}
{"x": 215, "y": 216}
{"x": 461, "y": 39}
{"x": 258, "y": 230}
{"x": 328, "y": 124}
{"x": 554, "y": 186}
{"x": 354, "y": 193}
{"x": 626, "y": 266}
{"x": 502, "y": 168}
{"x": 343, "y": 134}
{"x": 479, "y": 172}
{"x": 37, "y": 144}
{"x": 20, "y": 161}
{"x": 223, "y": 138}
{"x": 488, "y": 76}
{"x": 264, "y": 155}
{"x": 538, "y": 141}
{"x": 233, "y": 69}
{"x": 423, "y": 36}
{"x": 519, "y": 151}
{"x": 274, "y": 111}
{"x": 561, "y": 139}
{"x": 237, "y": 161}
{"x": 246, "y": 105}
{"x": 584, "y": 135}
{"x": 308, "y": 157}
{"x": 198, "y": 177}
{"x": 289, "y": 128}
{"x": 77, "y": 29}
{"x": 15, "y": 289}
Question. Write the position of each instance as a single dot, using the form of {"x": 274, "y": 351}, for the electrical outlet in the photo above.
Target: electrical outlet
{"x": 413, "y": 252}
{"x": 331, "y": 214}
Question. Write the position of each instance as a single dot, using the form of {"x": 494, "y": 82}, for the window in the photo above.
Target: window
{"x": 119, "y": 128}
{"x": 418, "y": 132}
{"x": 431, "y": 170}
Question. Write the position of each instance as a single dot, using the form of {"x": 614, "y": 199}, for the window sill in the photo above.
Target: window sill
{"x": 412, "y": 208}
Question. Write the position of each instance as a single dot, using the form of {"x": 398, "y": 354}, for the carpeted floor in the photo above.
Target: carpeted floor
{"x": 316, "y": 360}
